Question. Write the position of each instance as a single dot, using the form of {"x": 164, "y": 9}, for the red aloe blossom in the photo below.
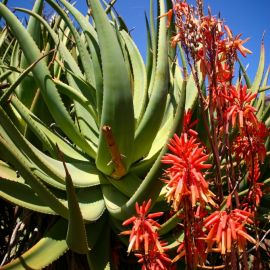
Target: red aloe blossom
{"x": 143, "y": 235}
{"x": 186, "y": 177}
{"x": 233, "y": 44}
{"x": 240, "y": 107}
{"x": 226, "y": 229}
{"x": 154, "y": 260}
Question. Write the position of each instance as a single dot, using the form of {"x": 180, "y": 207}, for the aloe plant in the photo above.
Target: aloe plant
{"x": 84, "y": 122}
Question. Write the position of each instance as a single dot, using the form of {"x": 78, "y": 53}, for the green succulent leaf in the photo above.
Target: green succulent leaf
{"x": 22, "y": 195}
{"x": 42, "y": 76}
{"x": 76, "y": 233}
{"x": 121, "y": 207}
{"x": 147, "y": 128}
{"x": 14, "y": 156}
{"x": 91, "y": 39}
{"x": 117, "y": 110}
{"x": 139, "y": 76}
{"x": 260, "y": 106}
{"x": 259, "y": 74}
{"x": 28, "y": 88}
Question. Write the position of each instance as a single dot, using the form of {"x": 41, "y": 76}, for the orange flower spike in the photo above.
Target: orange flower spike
{"x": 154, "y": 260}
{"x": 155, "y": 215}
{"x": 239, "y": 107}
{"x": 147, "y": 206}
{"x": 236, "y": 42}
{"x": 239, "y": 45}
{"x": 244, "y": 212}
{"x": 175, "y": 40}
{"x": 137, "y": 207}
{"x": 212, "y": 233}
{"x": 210, "y": 237}
{"x": 143, "y": 235}
{"x": 193, "y": 195}
{"x": 187, "y": 126}
{"x": 131, "y": 243}
{"x": 186, "y": 177}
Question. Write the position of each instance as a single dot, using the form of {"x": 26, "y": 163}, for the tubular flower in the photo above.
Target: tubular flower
{"x": 228, "y": 228}
{"x": 235, "y": 43}
{"x": 154, "y": 260}
{"x": 143, "y": 235}
{"x": 239, "y": 107}
{"x": 186, "y": 177}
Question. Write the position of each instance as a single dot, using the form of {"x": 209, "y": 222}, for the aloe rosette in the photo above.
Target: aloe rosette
{"x": 84, "y": 123}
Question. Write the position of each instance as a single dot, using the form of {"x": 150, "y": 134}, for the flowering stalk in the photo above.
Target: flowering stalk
{"x": 144, "y": 239}
{"x": 206, "y": 196}
{"x": 235, "y": 134}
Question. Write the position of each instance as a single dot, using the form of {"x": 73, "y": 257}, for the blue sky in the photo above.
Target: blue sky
{"x": 243, "y": 16}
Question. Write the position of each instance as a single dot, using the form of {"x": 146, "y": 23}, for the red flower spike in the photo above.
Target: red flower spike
{"x": 239, "y": 107}
{"x": 225, "y": 228}
{"x": 186, "y": 177}
{"x": 143, "y": 235}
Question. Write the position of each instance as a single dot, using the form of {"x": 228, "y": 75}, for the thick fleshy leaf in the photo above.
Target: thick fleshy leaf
{"x": 76, "y": 233}
{"x": 42, "y": 76}
{"x": 91, "y": 39}
{"x": 139, "y": 76}
{"x": 16, "y": 158}
{"x": 22, "y": 195}
{"x": 45, "y": 135}
{"x": 86, "y": 122}
{"x": 259, "y": 74}
{"x": 14, "y": 189}
{"x": 119, "y": 206}
{"x": 117, "y": 110}
{"x": 260, "y": 106}
{"x": 28, "y": 88}
{"x": 147, "y": 128}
